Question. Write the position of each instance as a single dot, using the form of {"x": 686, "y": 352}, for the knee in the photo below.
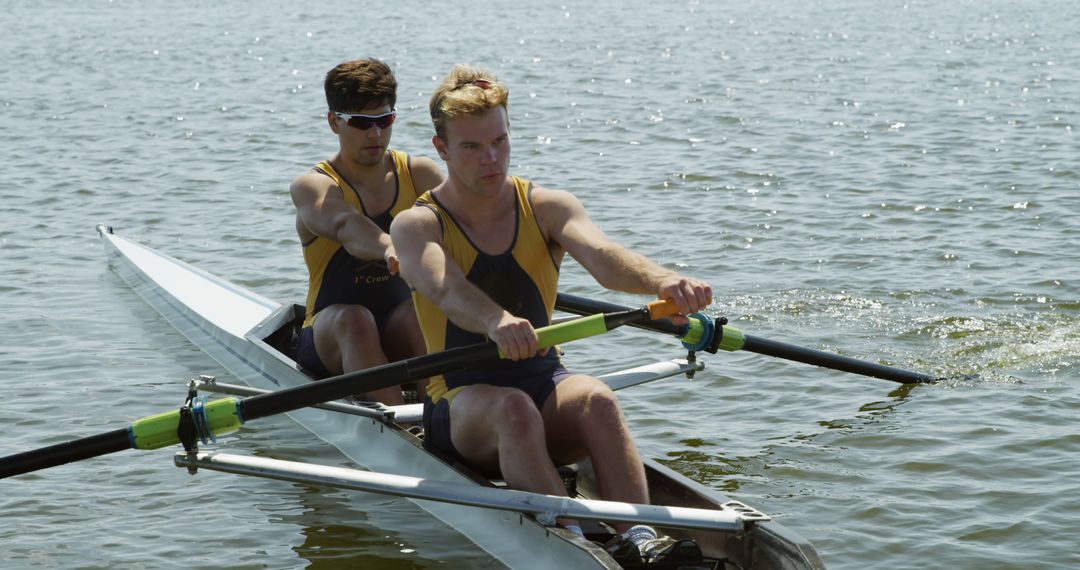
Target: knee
{"x": 403, "y": 322}
{"x": 603, "y": 405}
{"x": 355, "y": 323}
{"x": 405, "y": 314}
{"x": 518, "y": 416}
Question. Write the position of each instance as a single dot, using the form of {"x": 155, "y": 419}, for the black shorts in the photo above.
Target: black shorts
{"x": 307, "y": 357}
{"x": 437, "y": 414}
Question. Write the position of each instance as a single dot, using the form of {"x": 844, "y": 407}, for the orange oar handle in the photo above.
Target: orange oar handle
{"x": 664, "y": 308}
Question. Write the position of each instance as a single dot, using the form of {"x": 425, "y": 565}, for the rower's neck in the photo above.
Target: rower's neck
{"x": 369, "y": 176}
{"x": 474, "y": 208}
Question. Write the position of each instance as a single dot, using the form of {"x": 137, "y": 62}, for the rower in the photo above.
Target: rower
{"x": 358, "y": 310}
{"x": 482, "y": 252}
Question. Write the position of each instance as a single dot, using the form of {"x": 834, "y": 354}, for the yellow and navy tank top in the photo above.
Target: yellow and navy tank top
{"x": 523, "y": 280}
{"x": 335, "y": 276}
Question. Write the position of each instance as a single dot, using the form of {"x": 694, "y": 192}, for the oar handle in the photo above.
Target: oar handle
{"x": 600, "y": 323}
{"x": 584, "y": 306}
{"x": 662, "y": 308}
{"x": 564, "y": 332}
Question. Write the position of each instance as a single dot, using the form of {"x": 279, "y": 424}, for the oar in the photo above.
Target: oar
{"x": 700, "y": 331}
{"x": 227, "y": 414}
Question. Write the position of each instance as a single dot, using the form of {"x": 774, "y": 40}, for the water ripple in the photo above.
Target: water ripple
{"x": 896, "y": 185}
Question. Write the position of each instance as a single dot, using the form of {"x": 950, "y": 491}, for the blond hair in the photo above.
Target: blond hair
{"x": 466, "y": 91}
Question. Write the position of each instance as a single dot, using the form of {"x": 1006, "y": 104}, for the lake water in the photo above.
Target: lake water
{"x": 893, "y": 181}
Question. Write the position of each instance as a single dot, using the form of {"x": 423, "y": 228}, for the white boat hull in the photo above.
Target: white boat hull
{"x": 232, "y": 325}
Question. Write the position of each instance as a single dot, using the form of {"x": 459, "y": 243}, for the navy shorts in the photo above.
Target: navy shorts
{"x": 437, "y": 414}
{"x": 307, "y": 357}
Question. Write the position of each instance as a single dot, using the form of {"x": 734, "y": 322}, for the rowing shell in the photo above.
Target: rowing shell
{"x": 248, "y": 335}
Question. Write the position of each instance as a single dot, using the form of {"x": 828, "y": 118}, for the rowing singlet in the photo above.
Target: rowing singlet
{"x": 337, "y": 277}
{"x": 523, "y": 280}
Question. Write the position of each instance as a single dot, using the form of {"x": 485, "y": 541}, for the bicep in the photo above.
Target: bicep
{"x": 415, "y": 235}
{"x": 321, "y": 207}
{"x": 568, "y": 224}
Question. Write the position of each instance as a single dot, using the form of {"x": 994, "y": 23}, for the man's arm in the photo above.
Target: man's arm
{"x": 426, "y": 267}
{"x": 565, "y": 221}
{"x": 323, "y": 210}
{"x": 426, "y": 175}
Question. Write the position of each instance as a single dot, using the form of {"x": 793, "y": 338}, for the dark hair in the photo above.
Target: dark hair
{"x": 360, "y": 84}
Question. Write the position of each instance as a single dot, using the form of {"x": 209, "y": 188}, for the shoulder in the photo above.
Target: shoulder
{"x": 311, "y": 183}
{"x": 423, "y": 163}
{"x": 414, "y": 227}
{"x": 549, "y": 202}
{"x": 426, "y": 173}
{"x": 555, "y": 210}
{"x": 418, "y": 217}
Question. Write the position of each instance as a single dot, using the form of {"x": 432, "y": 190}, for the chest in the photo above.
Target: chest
{"x": 377, "y": 197}
{"x": 494, "y": 236}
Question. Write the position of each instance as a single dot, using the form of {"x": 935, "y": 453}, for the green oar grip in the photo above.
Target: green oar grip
{"x": 568, "y": 331}
{"x": 157, "y": 431}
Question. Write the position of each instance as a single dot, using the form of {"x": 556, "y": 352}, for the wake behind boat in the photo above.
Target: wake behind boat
{"x": 251, "y": 336}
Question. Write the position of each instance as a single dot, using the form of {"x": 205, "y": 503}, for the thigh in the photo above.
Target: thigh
{"x": 401, "y": 337}
{"x": 337, "y": 325}
{"x": 566, "y": 414}
{"x": 476, "y": 415}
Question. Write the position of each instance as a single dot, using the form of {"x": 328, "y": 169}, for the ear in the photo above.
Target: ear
{"x": 440, "y": 147}
{"x": 331, "y": 118}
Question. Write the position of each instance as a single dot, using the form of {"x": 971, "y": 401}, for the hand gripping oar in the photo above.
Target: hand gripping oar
{"x": 226, "y": 415}
{"x": 703, "y": 333}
